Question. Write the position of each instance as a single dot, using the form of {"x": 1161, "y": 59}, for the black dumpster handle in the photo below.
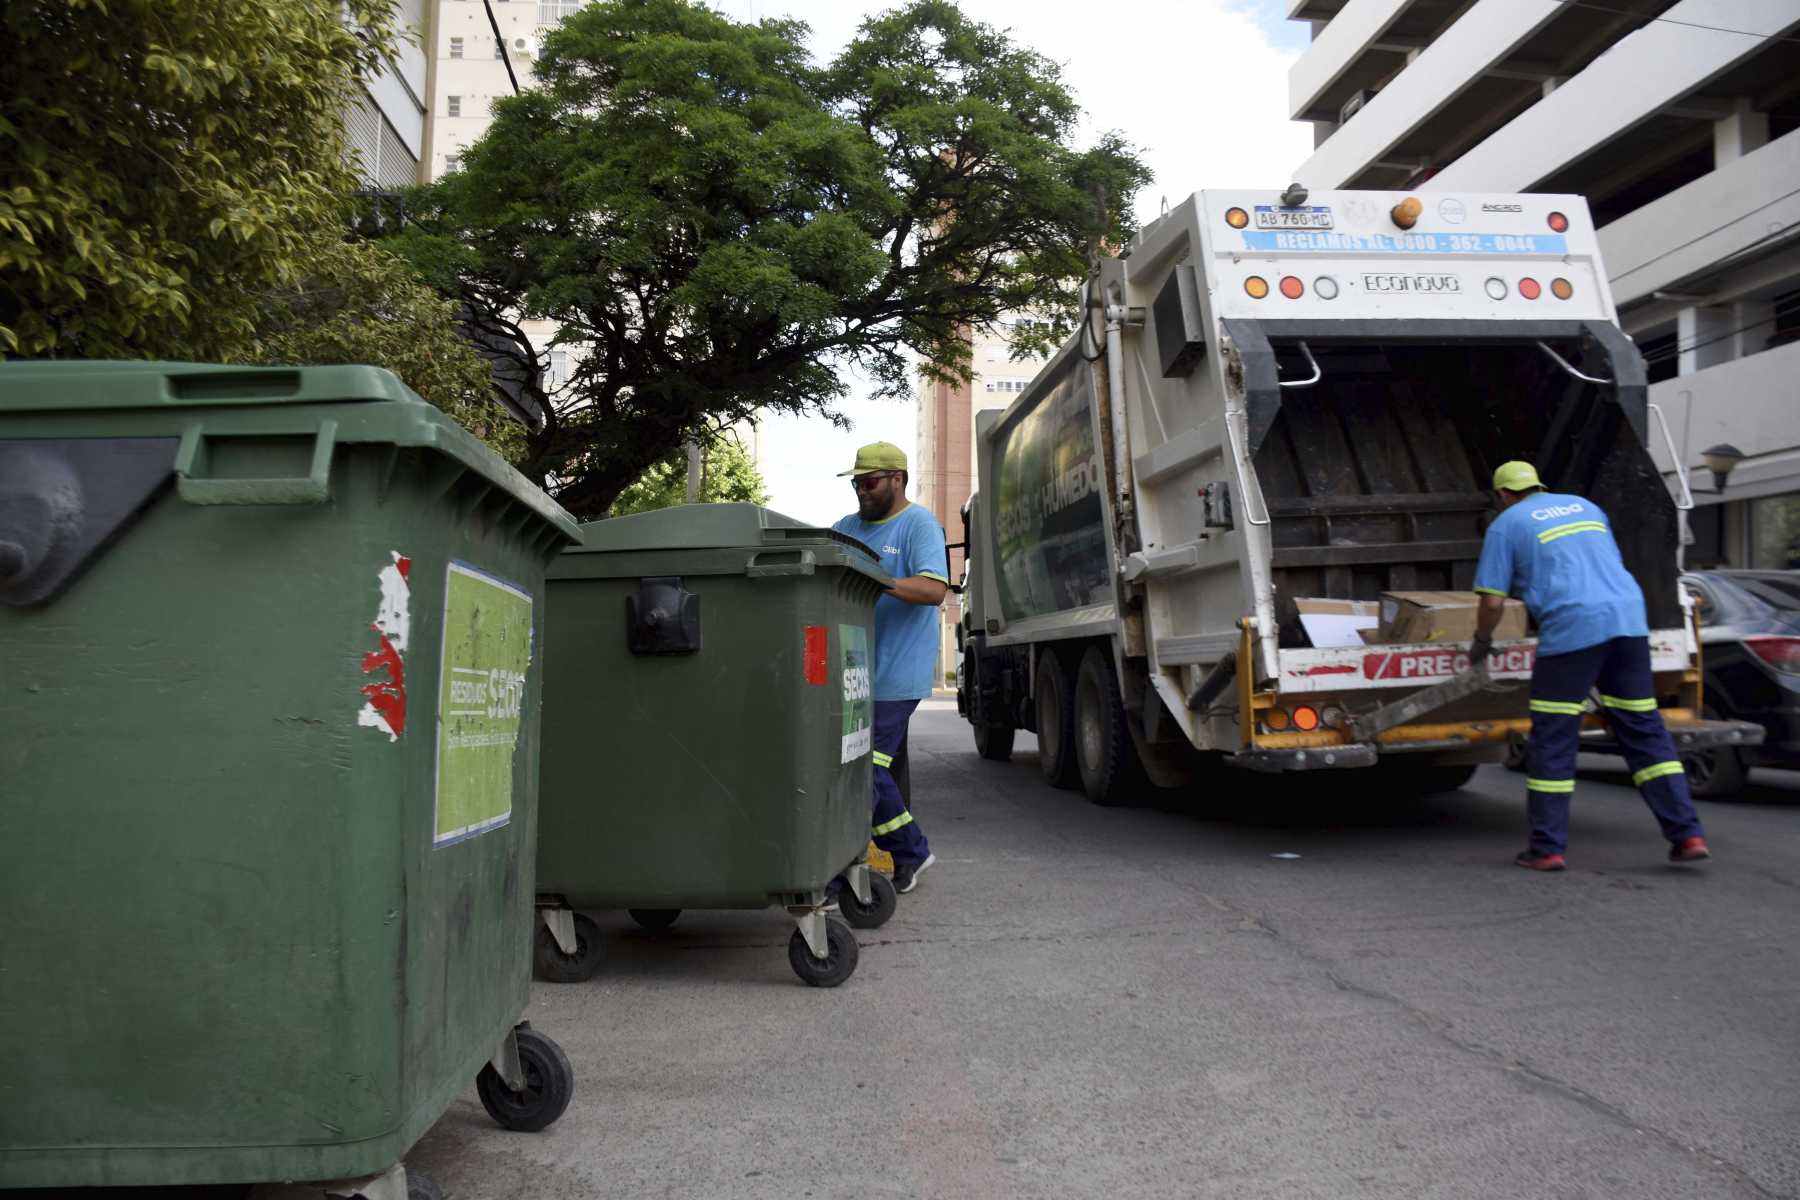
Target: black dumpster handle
{"x": 1311, "y": 362}
{"x": 1564, "y": 364}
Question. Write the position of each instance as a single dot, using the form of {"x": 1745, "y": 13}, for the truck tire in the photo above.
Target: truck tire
{"x": 993, "y": 742}
{"x": 1105, "y": 756}
{"x": 1055, "y": 695}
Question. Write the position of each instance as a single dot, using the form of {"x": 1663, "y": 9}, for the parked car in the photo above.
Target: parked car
{"x": 1750, "y": 639}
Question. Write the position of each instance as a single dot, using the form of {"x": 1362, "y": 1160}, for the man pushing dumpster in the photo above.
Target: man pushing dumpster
{"x": 910, "y": 543}
{"x": 1556, "y": 552}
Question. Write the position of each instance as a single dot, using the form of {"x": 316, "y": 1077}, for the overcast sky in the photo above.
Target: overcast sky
{"x": 1199, "y": 86}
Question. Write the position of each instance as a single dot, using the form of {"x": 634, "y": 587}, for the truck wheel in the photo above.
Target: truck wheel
{"x": 1056, "y": 721}
{"x": 549, "y": 1083}
{"x": 1107, "y": 762}
{"x": 993, "y": 742}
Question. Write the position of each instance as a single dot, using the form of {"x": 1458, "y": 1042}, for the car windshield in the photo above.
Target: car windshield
{"x": 1757, "y": 603}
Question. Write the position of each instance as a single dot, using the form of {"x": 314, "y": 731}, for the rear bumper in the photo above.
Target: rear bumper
{"x": 1687, "y": 735}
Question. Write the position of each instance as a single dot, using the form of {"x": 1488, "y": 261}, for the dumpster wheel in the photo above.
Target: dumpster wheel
{"x": 555, "y": 966}
{"x": 420, "y": 1186}
{"x": 835, "y": 967}
{"x": 883, "y": 900}
{"x": 654, "y": 919}
{"x": 549, "y": 1083}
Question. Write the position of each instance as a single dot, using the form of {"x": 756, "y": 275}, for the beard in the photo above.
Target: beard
{"x": 868, "y": 507}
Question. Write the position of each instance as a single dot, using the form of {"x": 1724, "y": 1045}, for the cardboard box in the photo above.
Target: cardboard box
{"x": 1330, "y": 624}
{"x": 1411, "y": 617}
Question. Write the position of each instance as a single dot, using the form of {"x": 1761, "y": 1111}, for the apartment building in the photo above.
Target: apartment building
{"x": 386, "y": 125}
{"x": 944, "y": 471}
{"x": 1679, "y": 120}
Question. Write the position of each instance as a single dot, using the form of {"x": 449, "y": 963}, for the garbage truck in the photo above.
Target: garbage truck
{"x": 1282, "y": 411}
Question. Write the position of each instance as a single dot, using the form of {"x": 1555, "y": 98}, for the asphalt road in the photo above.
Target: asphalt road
{"x": 1081, "y": 1002}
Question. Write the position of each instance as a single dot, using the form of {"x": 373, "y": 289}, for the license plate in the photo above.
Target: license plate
{"x": 1317, "y": 217}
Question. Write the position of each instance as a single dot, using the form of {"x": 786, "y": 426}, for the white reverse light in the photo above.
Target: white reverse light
{"x": 1325, "y": 288}
{"x": 1496, "y": 288}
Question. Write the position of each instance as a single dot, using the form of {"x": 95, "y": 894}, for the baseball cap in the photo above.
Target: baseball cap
{"x": 877, "y": 456}
{"x": 1516, "y": 476}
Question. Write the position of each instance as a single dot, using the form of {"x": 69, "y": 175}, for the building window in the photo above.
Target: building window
{"x": 452, "y": 162}
{"x": 552, "y": 11}
{"x": 1775, "y": 532}
{"x": 557, "y": 372}
{"x": 456, "y": 45}
{"x": 455, "y": 106}
{"x": 1787, "y": 319}
{"x": 499, "y": 49}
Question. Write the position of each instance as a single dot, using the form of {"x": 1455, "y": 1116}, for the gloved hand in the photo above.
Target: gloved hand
{"x": 1479, "y": 650}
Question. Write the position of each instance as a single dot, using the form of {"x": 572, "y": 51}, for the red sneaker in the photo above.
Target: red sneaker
{"x": 1531, "y": 860}
{"x": 1689, "y": 850}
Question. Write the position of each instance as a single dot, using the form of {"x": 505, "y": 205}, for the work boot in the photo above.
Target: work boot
{"x": 906, "y": 875}
{"x": 1689, "y": 850}
{"x": 1531, "y": 860}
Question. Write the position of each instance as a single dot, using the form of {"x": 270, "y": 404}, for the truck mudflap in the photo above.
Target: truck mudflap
{"x": 1689, "y": 734}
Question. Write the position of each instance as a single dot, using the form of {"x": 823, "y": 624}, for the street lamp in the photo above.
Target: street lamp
{"x": 1720, "y": 460}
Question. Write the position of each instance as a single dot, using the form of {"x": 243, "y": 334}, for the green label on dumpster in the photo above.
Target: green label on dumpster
{"x": 487, "y": 650}
{"x": 856, "y": 671}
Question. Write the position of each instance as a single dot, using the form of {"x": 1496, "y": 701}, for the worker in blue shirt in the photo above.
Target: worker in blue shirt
{"x": 911, "y": 545}
{"x": 1556, "y": 553}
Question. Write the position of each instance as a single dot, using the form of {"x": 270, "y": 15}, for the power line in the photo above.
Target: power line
{"x": 500, "y": 43}
{"x": 1625, "y": 12}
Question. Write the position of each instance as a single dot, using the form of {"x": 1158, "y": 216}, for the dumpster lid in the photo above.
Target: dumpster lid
{"x": 84, "y": 384}
{"x": 363, "y": 404}
{"x": 705, "y": 527}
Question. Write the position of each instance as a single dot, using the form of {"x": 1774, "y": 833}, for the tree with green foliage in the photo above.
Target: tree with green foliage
{"x": 174, "y": 184}
{"x": 727, "y": 476}
{"x": 717, "y": 224}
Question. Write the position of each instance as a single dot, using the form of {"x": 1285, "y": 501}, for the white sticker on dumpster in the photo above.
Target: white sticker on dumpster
{"x": 855, "y": 669}
{"x": 487, "y": 652}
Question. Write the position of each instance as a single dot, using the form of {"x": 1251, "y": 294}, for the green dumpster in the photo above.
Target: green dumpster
{"x": 270, "y": 662}
{"x": 707, "y": 731}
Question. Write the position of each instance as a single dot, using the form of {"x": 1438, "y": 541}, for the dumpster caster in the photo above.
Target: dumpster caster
{"x": 654, "y": 919}
{"x": 420, "y": 1186}
{"x": 874, "y": 911}
{"x": 556, "y": 964}
{"x": 548, "y": 1081}
{"x": 839, "y": 960}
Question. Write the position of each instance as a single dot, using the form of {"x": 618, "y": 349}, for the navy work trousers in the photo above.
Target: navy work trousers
{"x": 894, "y": 828}
{"x": 1559, "y": 684}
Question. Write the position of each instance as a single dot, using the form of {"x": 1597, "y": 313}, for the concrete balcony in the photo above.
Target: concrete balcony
{"x": 1650, "y": 70}
{"x": 1727, "y": 212}
{"x": 1366, "y": 43}
{"x": 1478, "y": 42}
{"x": 1753, "y": 403}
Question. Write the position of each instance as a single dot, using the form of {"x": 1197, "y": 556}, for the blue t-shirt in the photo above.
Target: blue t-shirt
{"x": 1557, "y": 554}
{"x": 910, "y": 542}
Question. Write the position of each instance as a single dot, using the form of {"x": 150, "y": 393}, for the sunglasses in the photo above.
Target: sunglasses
{"x": 863, "y": 483}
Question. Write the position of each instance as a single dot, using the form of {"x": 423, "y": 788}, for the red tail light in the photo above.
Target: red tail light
{"x": 1782, "y": 653}
{"x": 817, "y": 648}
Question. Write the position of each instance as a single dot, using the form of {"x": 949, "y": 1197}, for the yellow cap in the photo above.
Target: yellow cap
{"x": 877, "y": 456}
{"x": 1516, "y": 476}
